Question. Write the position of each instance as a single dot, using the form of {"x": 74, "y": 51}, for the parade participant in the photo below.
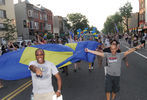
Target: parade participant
{"x": 112, "y": 77}
{"x": 135, "y": 41}
{"x": 23, "y": 44}
{"x": 129, "y": 40}
{"x": 75, "y": 40}
{"x": 107, "y": 42}
{"x": 29, "y": 44}
{"x": 65, "y": 68}
{"x": 100, "y": 49}
{"x": 3, "y": 49}
{"x": 90, "y": 66}
{"x": 41, "y": 72}
{"x": 114, "y": 42}
{"x": 143, "y": 40}
{"x": 1, "y": 85}
{"x": 41, "y": 40}
{"x": 11, "y": 47}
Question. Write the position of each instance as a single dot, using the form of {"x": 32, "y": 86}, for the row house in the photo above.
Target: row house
{"x": 6, "y": 12}
{"x": 133, "y": 23}
{"x": 138, "y": 21}
{"x": 59, "y": 24}
{"x": 32, "y": 19}
{"x": 142, "y": 16}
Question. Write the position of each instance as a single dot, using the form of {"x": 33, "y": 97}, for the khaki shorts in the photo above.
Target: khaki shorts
{"x": 44, "y": 96}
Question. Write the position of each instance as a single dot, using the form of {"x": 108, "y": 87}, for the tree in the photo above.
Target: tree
{"x": 67, "y": 24}
{"x": 10, "y": 30}
{"x": 77, "y": 20}
{"x": 126, "y": 14}
{"x": 113, "y": 22}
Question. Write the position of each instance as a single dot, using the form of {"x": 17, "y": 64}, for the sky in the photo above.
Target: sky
{"x": 96, "y": 11}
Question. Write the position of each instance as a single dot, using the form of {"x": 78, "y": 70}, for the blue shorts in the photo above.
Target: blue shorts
{"x": 112, "y": 83}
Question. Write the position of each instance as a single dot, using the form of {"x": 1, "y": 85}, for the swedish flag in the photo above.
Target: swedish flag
{"x": 14, "y": 65}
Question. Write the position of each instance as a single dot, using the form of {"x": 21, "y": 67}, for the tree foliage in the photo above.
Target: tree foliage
{"x": 77, "y": 20}
{"x": 10, "y": 30}
{"x": 111, "y": 23}
{"x": 126, "y": 14}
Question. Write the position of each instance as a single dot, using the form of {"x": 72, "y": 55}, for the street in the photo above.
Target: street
{"x": 85, "y": 85}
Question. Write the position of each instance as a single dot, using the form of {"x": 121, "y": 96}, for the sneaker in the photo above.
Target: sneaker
{"x": 89, "y": 70}
{"x": 75, "y": 70}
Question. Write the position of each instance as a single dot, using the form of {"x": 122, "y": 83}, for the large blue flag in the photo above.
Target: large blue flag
{"x": 14, "y": 65}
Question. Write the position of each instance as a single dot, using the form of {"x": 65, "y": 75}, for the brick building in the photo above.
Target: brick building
{"x": 32, "y": 19}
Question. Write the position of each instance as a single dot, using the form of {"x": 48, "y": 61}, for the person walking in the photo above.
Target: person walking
{"x": 143, "y": 40}
{"x": 112, "y": 77}
{"x": 41, "y": 72}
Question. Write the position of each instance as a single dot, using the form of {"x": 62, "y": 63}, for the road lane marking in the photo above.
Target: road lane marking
{"x": 19, "y": 91}
{"x": 4, "y": 98}
{"x": 137, "y": 52}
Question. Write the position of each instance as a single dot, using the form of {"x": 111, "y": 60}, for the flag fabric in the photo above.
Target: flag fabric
{"x": 96, "y": 36}
{"x": 94, "y": 33}
{"x": 116, "y": 28}
{"x": 85, "y": 30}
{"x": 45, "y": 36}
{"x": 72, "y": 34}
{"x": 14, "y": 65}
{"x": 79, "y": 33}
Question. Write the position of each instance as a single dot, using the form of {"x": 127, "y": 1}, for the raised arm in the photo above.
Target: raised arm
{"x": 36, "y": 70}
{"x": 95, "y": 52}
{"x": 39, "y": 41}
{"x": 133, "y": 49}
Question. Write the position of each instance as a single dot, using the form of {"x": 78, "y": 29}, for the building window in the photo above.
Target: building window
{"x": 36, "y": 25}
{"x": 40, "y": 16}
{"x": 45, "y": 17}
{"x": 36, "y": 14}
{"x": 41, "y": 26}
{"x": 31, "y": 24}
{"x": 2, "y": 27}
{"x": 2, "y": 2}
{"x": 30, "y": 13}
{"x": 48, "y": 27}
{"x": 2, "y": 14}
{"x": 25, "y": 24}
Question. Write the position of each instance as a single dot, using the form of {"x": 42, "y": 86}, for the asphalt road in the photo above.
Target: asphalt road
{"x": 85, "y": 85}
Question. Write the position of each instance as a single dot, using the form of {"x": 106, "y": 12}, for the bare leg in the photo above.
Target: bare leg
{"x": 90, "y": 64}
{"x": 100, "y": 61}
{"x": 75, "y": 67}
{"x": 113, "y": 95}
{"x": 78, "y": 65}
{"x": 1, "y": 85}
{"x": 108, "y": 95}
{"x": 66, "y": 70}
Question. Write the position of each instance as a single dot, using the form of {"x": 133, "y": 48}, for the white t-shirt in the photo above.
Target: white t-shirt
{"x": 107, "y": 43}
{"x": 43, "y": 84}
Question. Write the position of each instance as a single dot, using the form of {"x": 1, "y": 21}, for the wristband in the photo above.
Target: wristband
{"x": 59, "y": 91}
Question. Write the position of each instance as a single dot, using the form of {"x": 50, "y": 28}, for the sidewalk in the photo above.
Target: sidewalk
{"x": 126, "y": 44}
